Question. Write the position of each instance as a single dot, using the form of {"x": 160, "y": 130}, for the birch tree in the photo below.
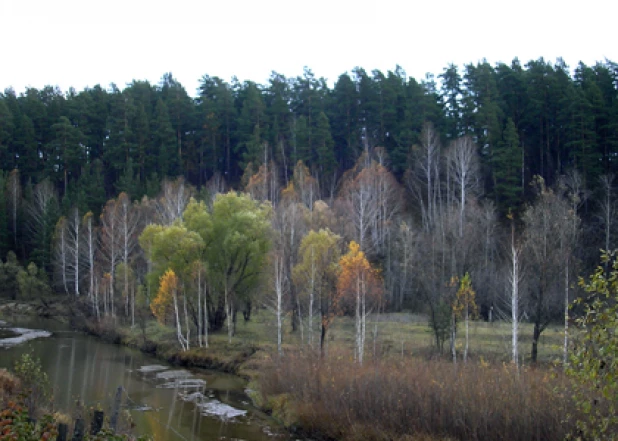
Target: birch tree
{"x": 42, "y": 210}
{"x": 199, "y": 276}
{"x": 129, "y": 228}
{"x": 315, "y": 275}
{"x": 362, "y": 207}
{"x": 168, "y": 288}
{"x": 289, "y": 222}
{"x": 576, "y": 195}
{"x": 305, "y": 185}
{"x": 90, "y": 250}
{"x": 176, "y": 249}
{"x": 110, "y": 246}
{"x": 423, "y": 179}
{"x": 514, "y": 278}
{"x": 359, "y": 281}
{"x": 277, "y": 289}
{"x": 173, "y": 200}
{"x": 61, "y": 255}
{"x": 69, "y": 252}
{"x": 463, "y": 170}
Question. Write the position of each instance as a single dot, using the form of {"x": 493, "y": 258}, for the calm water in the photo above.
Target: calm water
{"x": 82, "y": 367}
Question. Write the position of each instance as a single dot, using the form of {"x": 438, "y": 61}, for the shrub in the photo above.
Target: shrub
{"x": 34, "y": 382}
{"x": 593, "y": 364}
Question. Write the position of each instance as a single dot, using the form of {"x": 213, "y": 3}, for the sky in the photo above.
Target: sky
{"x": 81, "y": 43}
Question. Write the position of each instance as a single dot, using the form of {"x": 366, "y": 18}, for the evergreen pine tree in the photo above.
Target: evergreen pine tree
{"x": 506, "y": 167}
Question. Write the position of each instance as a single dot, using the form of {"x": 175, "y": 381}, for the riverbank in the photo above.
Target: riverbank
{"x": 56, "y": 308}
{"x": 334, "y": 398}
{"x": 238, "y": 358}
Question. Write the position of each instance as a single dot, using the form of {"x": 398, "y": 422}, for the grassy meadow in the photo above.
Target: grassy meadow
{"x": 397, "y": 335}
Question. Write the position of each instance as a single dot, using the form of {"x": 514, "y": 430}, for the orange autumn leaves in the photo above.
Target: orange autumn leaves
{"x": 357, "y": 278}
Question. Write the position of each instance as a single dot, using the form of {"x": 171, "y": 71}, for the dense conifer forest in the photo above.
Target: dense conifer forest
{"x": 463, "y": 172}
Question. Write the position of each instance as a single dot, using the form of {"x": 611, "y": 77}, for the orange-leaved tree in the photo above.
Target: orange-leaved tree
{"x": 359, "y": 284}
{"x": 161, "y": 306}
{"x": 166, "y": 297}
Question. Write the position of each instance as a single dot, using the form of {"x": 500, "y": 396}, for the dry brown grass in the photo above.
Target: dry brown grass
{"x": 415, "y": 399}
{"x": 9, "y": 385}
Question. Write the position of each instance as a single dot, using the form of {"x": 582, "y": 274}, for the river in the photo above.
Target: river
{"x": 165, "y": 402}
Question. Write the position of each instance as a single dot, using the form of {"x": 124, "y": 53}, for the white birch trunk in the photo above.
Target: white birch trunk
{"x": 453, "y": 337}
{"x": 357, "y": 324}
{"x": 228, "y": 311}
{"x": 76, "y": 240}
{"x": 188, "y": 338}
{"x": 179, "y": 335}
{"x": 361, "y": 352}
{"x": 311, "y": 297}
{"x": 206, "y": 323}
{"x": 565, "y": 349}
{"x": 467, "y": 324}
{"x": 199, "y": 307}
{"x": 279, "y": 298}
{"x": 300, "y": 320}
{"x": 514, "y": 279}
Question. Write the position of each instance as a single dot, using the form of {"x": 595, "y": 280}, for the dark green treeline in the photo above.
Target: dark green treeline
{"x": 527, "y": 120}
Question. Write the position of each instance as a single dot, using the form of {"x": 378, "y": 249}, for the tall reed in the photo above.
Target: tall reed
{"x": 339, "y": 399}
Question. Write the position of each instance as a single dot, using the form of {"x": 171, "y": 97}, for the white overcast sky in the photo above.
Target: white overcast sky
{"x": 82, "y": 43}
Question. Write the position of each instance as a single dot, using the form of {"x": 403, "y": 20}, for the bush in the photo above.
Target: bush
{"x": 593, "y": 366}
{"x": 16, "y": 424}
{"x": 34, "y": 382}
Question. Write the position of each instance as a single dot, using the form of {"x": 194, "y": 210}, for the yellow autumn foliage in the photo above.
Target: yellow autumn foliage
{"x": 162, "y": 304}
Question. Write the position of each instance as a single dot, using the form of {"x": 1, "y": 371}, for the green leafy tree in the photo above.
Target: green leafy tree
{"x": 593, "y": 362}
{"x": 32, "y": 283}
{"x": 237, "y": 242}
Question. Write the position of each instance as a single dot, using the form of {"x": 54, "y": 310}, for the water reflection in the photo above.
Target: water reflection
{"x": 83, "y": 368}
